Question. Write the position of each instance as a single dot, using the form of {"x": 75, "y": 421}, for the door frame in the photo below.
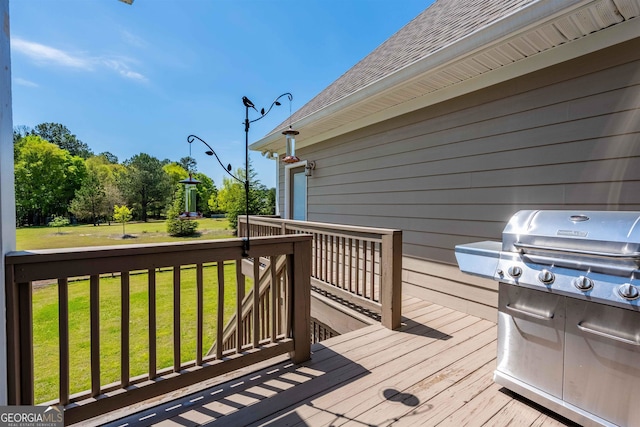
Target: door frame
{"x": 287, "y": 188}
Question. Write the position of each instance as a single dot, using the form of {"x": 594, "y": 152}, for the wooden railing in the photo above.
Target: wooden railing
{"x": 272, "y": 284}
{"x": 281, "y": 328}
{"x": 361, "y": 265}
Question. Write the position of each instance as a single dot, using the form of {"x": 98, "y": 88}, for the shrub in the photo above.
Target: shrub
{"x": 58, "y": 221}
{"x": 177, "y": 227}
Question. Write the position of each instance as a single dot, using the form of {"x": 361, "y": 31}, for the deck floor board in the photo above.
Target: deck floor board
{"x": 437, "y": 369}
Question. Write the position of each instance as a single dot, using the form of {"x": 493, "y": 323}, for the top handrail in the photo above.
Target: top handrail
{"x": 260, "y": 220}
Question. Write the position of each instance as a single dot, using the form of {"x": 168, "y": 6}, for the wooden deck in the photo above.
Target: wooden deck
{"x": 436, "y": 370}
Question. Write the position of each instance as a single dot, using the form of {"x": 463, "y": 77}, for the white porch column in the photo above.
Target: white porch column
{"x": 7, "y": 192}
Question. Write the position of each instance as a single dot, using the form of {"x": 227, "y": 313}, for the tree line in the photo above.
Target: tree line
{"x": 56, "y": 174}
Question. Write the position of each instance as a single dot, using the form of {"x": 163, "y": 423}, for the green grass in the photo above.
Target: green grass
{"x": 104, "y": 234}
{"x": 45, "y": 326}
{"x": 45, "y": 308}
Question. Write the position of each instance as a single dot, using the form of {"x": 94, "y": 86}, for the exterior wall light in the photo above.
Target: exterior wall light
{"x": 309, "y": 168}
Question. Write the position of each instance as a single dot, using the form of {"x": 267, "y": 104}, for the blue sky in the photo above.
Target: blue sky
{"x": 141, "y": 78}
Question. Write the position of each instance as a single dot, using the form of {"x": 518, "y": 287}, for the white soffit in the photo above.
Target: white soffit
{"x": 462, "y": 68}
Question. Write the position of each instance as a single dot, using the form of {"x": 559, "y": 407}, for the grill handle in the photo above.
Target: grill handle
{"x": 529, "y": 313}
{"x": 606, "y": 335}
{"x": 523, "y": 246}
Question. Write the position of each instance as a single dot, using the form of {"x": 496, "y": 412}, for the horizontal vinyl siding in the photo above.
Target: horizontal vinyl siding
{"x": 563, "y": 138}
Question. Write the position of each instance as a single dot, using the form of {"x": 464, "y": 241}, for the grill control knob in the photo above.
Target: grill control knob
{"x": 628, "y": 291}
{"x": 583, "y": 283}
{"x": 515, "y": 271}
{"x": 546, "y": 277}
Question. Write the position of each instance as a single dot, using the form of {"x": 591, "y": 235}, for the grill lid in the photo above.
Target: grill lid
{"x": 591, "y": 237}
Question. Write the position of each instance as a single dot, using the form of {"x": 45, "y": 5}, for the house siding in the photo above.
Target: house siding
{"x": 566, "y": 137}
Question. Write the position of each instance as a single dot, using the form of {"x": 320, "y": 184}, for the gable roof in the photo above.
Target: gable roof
{"x": 449, "y": 43}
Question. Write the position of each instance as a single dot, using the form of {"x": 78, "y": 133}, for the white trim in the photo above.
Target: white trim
{"x": 7, "y": 192}
{"x": 277, "y": 162}
{"x": 287, "y": 188}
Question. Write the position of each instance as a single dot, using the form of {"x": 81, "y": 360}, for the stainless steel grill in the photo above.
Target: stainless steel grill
{"x": 568, "y": 311}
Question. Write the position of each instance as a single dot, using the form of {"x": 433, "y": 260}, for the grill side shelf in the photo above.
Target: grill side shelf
{"x": 479, "y": 258}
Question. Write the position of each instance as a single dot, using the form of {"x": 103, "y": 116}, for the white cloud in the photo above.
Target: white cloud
{"x": 47, "y": 55}
{"x": 121, "y": 67}
{"x": 133, "y": 40}
{"x": 24, "y": 82}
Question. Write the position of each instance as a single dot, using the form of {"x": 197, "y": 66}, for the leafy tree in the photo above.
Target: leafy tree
{"x": 19, "y": 132}
{"x": 89, "y": 202}
{"x": 59, "y": 221}
{"x": 58, "y": 134}
{"x": 206, "y": 189}
{"x": 122, "y": 214}
{"x": 176, "y": 173}
{"x": 189, "y": 164}
{"x": 113, "y": 197}
{"x": 107, "y": 174}
{"x": 270, "y": 208}
{"x": 46, "y": 178}
{"x": 111, "y": 158}
{"x": 145, "y": 185}
{"x": 231, "y": 198}
{"x": 212, "y": 203}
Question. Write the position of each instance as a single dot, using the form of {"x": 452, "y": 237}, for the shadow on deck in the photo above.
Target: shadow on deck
{"x": 436, "y": 370}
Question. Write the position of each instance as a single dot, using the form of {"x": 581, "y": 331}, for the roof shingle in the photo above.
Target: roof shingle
{"x": 440, "y": 25}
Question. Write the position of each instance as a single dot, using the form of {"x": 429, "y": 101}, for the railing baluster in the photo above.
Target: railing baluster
{"x": 350, "y": 265}
{"x": 325, "y": 257}
{"x": 282, "y": 298}
{"x": 256, "y": 302}
{"x": 266, "y": 315}
{"x": 152, "y": 322}
{"x": 358, "y": 284}
{"x": 220, "y": 310}
{"x": 274, "y": 297}
{"x": 316, "y": 258}
{"x": 94, "y": 314}
{"x": 63, "y": 344}
{"x": 289, "y": 299}
{"x": 200, "y": 313}
{"x": 124, "y": 328}
{"x": 240, "y": 285}
{"x": 176, "y": 319}
{"x": 372, "y": 278}
{"x": 330, "y": 278}
{"x": 343, "y": 282}
{"x": 364, "y": 268}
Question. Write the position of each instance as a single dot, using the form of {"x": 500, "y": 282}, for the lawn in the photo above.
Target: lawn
{"x": 45, "y": 307}
{"x": 104, "y": 234}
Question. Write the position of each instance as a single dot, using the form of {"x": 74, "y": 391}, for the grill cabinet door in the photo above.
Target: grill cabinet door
{"x": 531, "y": 337}
{"x": 602, "y": 365}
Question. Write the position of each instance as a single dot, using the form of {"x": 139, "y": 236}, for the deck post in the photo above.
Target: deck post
{"x": 391, "y": 281}
{"x": 20, "y": 339}
{"x": 300, "y": 285}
